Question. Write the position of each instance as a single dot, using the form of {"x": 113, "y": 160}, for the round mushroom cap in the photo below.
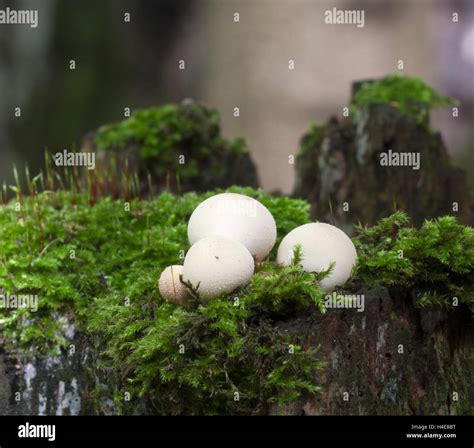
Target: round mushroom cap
{"x": 235, "y": 216}
{"x": 321, "y": 244}
{"x": 217, "y": 265}
{"x": 171, "y": 288}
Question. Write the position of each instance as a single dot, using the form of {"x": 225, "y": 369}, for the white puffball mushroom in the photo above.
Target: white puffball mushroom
{"x": 235, "y": 216}
{"x": 320, "y": 244}
{"x": 171, "y": 288}
{"x": 217, "y": 265}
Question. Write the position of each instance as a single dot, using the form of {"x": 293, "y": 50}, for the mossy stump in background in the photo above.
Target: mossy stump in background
{"x": 176, "y": 147}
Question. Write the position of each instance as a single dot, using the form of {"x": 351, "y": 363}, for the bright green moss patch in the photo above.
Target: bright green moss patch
{"x": 69, "y": 253}
{"x": 437, "y": 259}
{"x": 408, "y": 93}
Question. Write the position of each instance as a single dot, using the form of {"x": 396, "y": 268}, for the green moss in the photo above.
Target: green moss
{"x": 409, "y": 94}
{"x": 185, "y": 139}
{"x": 437, "y": 260}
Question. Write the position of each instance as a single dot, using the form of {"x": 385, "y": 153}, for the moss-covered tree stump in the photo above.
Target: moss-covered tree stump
{"x": 177, "y": 148}
{"x": 341, "y": 166}
{"x": 392, "y": 359}
{"x": 102, "y": 340}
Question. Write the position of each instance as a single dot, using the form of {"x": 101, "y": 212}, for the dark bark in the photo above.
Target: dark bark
{"x": 362, "y": 352}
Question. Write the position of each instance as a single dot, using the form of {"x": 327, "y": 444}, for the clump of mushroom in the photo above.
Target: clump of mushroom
{"x": 321, "y": 244}
{"x": 230, "y": 232}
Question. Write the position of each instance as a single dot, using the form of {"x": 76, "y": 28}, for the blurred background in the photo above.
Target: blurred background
{"x": 228, "y": 64}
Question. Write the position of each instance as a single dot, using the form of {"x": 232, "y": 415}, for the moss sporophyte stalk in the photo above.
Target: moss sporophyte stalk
{"x": 99, "y": 265}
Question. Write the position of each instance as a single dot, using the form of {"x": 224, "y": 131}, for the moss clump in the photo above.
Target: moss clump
{"x": 182, "y": 140}
{"x": 437, "y": 260}
{"x": 409, "y": 94}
